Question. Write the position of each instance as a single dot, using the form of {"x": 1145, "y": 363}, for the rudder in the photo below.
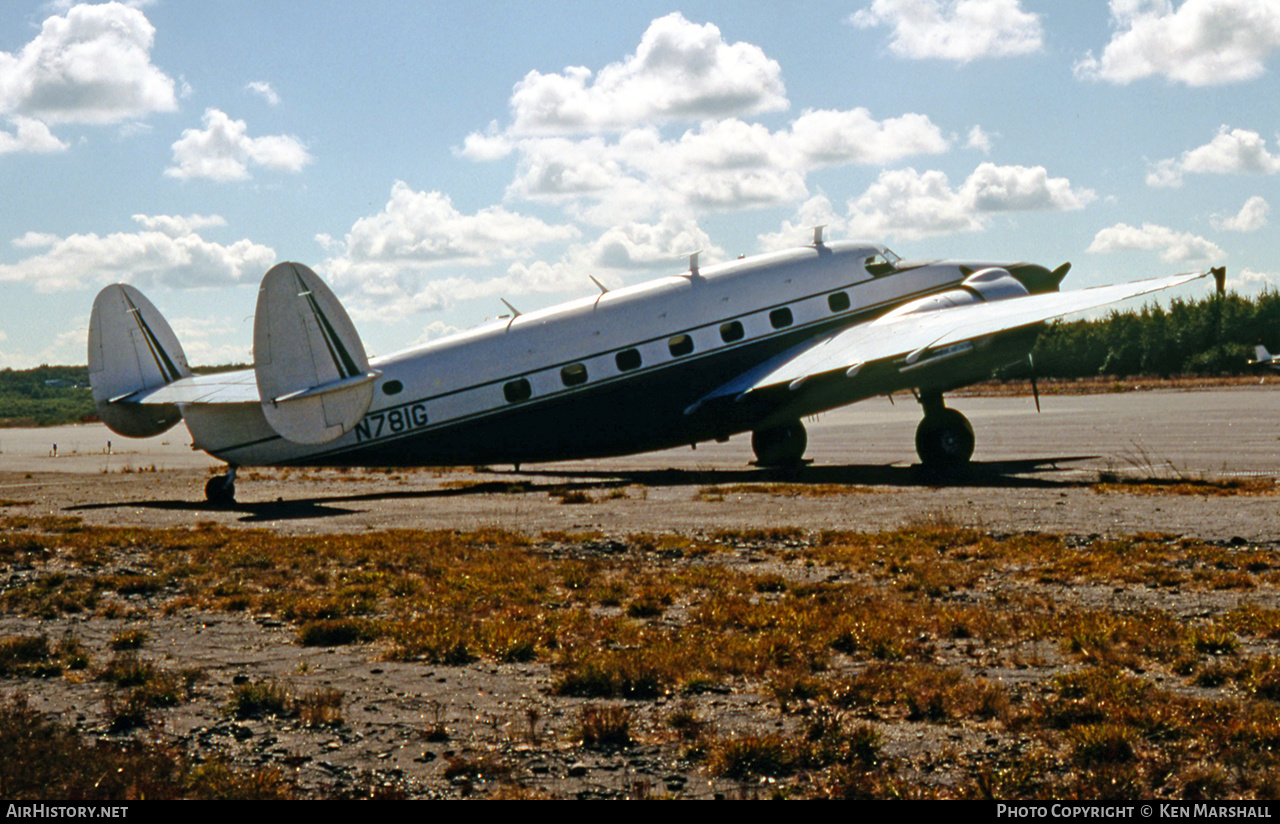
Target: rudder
{"x": 313, "y": 376}
{"x": 131, "y": 349}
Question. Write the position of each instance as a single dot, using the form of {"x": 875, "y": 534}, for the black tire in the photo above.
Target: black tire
{"x": 219, "y": 490}
{"x": 780, "y": 446}
{"x": 944, "y": 440}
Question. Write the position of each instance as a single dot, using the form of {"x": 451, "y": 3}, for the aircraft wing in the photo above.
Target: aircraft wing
{"x": 224, "y": 387}
{"x": 925, "y": 335}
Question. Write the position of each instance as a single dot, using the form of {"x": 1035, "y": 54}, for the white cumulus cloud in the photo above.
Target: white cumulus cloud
{"x": 91, "y": 66}
{"x": 1251, "y": 281}
{"x": 816, "y": 211}
{"x": 223, "y": 151}
{"x": 386, "y": 258}
{"x": 908, "y": 204}
{"x": 168, "y": 251}
{"x": 1232, "y": 151}
{"x": 1173, "y": 246}
{"x": 979, "y": 139}
{"x": 212, "y": 340}
{"x": 720, "y": 165}
{"x": 1251, "y": 217}
{"x": 264, "y": 90}
{"x": 29, "y": 136}
{"x": 602, "y": 146}
{"x": 958, "y": 30}
{"x": 680, "y": 71}
{"x": 828, "y": 138}
{"x": 993, "y": 188}
{"x": 1199, "y": 43}
{"x": 637, "y": 245}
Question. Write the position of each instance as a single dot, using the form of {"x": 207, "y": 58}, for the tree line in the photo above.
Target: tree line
{"x": 45, "y": 396}
{"x": 1210, "y": 336}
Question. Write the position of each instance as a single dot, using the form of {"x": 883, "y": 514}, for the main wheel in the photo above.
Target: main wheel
{"x": 220, "y": 490}
{"x": 944, "y": 440}
{"x": 780, "y": 446}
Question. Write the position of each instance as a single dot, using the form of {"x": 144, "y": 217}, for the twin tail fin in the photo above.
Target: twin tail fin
{"x": 313, "y": 377}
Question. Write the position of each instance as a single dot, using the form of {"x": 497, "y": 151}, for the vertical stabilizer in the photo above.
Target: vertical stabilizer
{"x": 313, "y": 376}
{"x": 132, "y": 348}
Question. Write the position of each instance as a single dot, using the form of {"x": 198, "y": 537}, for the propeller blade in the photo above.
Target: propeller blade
{"x": 1035, "y": 390}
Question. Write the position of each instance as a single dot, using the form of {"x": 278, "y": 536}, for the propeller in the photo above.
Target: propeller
{"x": 1037, "y": 278}
{"x": 1035, "y": 390}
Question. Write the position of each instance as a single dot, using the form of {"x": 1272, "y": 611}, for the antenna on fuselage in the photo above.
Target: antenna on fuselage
{"x": 603, "y": 289}
{"x": 817, "y": 234}
{"x": 515, "y": 313}
{"x": 693, "y": 264}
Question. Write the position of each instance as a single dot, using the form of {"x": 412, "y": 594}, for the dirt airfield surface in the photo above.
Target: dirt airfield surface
{"x": 1032, "y": 473}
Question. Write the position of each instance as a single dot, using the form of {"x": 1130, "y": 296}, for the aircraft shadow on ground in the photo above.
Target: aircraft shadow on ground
{"x": 323, "y": 507}
{"x": 1021, "y": 474}
{"x": 1014, "y": 474}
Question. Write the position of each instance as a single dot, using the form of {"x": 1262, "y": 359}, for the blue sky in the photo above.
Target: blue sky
{"x": 428, "y": 159}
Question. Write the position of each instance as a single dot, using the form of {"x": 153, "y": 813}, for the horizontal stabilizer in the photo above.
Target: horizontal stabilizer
{"x": 313, "y": 377}
{"x": 218, "y": 388}
{"x": 132, "y": 351}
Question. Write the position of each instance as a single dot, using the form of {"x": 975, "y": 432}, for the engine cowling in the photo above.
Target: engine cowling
{"x": 982, "y": 286}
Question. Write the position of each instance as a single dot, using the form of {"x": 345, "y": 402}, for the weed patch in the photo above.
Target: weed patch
{"x": 43, "y": 759}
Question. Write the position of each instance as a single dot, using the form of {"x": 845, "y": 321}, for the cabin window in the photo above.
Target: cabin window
{"x": 627, "y": 360}
{"x": 575, "y": 374}
{"x": 780, "y": 317}
{"x": 517, "y": 391}
{"x": 731, "y": 331}
{"x": 392, "y": 388}
{"x": 838, "y": 301}
{"x": 680, "y": 345}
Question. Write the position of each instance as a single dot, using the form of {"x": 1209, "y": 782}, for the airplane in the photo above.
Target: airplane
{"x": 1265, "y": 358}
{"x": 749, "y": 345}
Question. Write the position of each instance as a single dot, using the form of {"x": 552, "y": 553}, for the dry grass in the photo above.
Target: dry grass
{"x": 788, "y": 490}
{"x": 845, "y": 635}
{"x": 43, "y": 759}
{"x": 1187, "y": 486}
{"x": 1101, "y": 385}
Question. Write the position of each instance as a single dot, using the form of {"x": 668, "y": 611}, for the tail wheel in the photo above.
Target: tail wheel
{"x": 780, "y": 446}
{"x": 944, "y": 440}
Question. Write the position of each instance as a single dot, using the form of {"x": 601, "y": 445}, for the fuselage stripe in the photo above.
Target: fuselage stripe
{"x": 842, "y": 318}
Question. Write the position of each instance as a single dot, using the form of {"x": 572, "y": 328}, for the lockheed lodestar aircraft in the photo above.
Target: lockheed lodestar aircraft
{"x": 750, "y": 345}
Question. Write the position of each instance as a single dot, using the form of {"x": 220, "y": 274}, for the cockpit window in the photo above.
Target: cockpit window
{"x": 882, "y": 264}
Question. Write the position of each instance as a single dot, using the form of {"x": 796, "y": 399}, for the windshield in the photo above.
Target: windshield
{"x": 882, "y": 263}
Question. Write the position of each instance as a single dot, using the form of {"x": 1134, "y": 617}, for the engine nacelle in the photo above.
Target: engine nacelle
{"x": 980, "y": 287}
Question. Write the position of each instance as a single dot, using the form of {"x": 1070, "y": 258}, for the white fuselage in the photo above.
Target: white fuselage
{"x": 607, "y": 374}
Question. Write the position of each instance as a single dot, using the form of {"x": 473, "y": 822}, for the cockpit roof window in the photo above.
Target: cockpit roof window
{"x": 882, "y": 263}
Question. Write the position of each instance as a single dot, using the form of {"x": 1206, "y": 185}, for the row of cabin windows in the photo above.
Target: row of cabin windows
{"x": 575, "y": 374}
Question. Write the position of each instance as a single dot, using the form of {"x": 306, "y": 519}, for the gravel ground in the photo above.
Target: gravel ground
{"x": 483, "y": 729}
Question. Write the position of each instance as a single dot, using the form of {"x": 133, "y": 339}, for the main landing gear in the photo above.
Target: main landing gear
{"x": 944, "y": 439}
{"x": 221, "y": 489}
{"x": 780, "y": 446}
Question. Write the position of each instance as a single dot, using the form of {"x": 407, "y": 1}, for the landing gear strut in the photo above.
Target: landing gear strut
{"x": 780, "y": 446}
{"x": 944, "y": 439}
{"x": 221, "y": 489}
